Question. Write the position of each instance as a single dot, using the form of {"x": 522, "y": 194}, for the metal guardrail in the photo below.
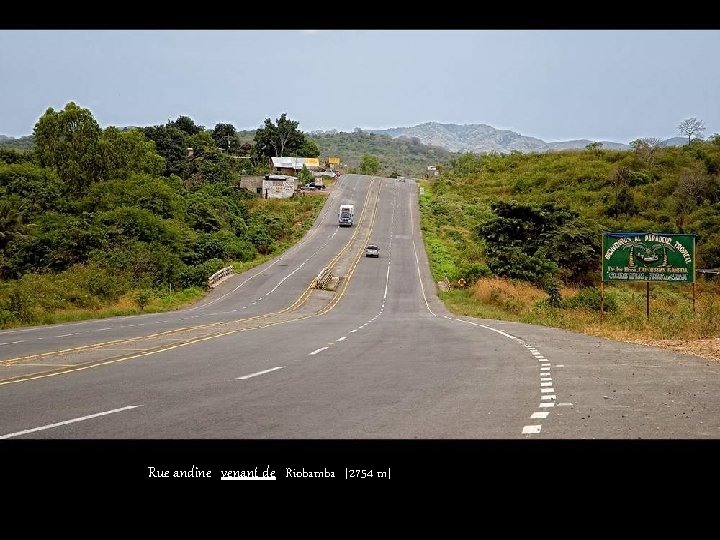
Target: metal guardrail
{"x": 322, "y": 279}
{"x": 217, "y": 276}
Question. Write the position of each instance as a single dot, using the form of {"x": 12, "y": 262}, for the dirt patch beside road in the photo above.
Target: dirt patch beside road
{"x": 706, "y": 348}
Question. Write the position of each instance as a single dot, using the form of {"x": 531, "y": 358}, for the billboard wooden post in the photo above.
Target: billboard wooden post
{"x": 602, "y": 278}
{"x": 647, "y": 299}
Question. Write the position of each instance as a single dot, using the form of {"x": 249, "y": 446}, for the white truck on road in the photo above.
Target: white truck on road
{"x": 345, "y": 216}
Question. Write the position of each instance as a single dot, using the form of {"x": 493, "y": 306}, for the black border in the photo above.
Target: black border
{"x": 528, "y": 462}
{"x": 367, "y": 16}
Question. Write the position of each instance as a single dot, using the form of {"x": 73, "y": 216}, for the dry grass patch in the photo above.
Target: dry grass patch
{"x": 514, "y": 296}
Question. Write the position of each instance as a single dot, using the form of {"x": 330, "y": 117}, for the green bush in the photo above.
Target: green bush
{"x": 589, "y": 298}
{"x": 198, "y": 275}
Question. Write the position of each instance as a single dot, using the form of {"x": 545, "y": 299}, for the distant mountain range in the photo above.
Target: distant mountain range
{"x": 477, "y": 138}
{"x": 481, "y": 138}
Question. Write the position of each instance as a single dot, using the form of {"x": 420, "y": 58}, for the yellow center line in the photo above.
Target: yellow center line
{"x": 305, "y": 294}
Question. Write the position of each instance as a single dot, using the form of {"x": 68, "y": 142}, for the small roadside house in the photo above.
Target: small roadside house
{"x": 279, "y": 186}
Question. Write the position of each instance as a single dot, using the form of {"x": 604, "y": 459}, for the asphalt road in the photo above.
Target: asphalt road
{"x": 264, "y": 356}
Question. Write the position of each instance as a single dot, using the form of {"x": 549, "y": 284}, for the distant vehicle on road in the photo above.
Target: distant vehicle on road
{"x": 345, "y": 216}
{"x": 372, "y": 251}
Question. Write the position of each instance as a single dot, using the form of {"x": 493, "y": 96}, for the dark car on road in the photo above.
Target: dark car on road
{"x": 372, "y": 251}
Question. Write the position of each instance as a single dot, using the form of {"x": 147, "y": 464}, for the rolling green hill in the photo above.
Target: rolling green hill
{"x": 403, "y": 156}
{"x": 523, "y": 233}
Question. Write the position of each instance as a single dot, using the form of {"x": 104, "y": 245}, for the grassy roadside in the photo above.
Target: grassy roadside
{"x": 138, "y": 301}
{"x": 672, "y": 323}
{"x": 671, "y": 309}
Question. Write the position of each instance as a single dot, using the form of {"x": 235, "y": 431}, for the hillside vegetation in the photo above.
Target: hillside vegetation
{"x": 96, "y": 222}
{"x": 523, "y": 231}
{"x": 403, "y": 157}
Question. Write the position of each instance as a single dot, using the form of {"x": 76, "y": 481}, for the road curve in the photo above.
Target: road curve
{"x": 266, "y": 356}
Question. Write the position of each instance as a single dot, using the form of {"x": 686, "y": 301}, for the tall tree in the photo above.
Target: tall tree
{"x": 370, "y": 164}
{"x": 225, "y": 137}
{"x": 690, "y": 127}
{"x": 172, "y": 143}
{"x": 310, "y": 149}
{"x": 281, "y": 139}
{"x": 186, "y": 124}
{"x": 68, "y": 142}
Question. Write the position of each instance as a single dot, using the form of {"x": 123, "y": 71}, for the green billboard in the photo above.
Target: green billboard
{"x": 648, "y": 257}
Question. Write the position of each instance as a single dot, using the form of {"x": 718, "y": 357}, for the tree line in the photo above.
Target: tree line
{"x": 90, "y": 215}
{"x": 539, "y": 217}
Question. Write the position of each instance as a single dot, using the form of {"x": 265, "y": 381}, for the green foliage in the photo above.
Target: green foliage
{"x": 128, "y": 152}
{"x": 143, "y": 297}
{"x": 22, "y": 145}
{"x": 261, "y": 239}
{"x": 471, "y": 272}
{"x": 172, "y": 144}
{"x": 369, "y": 165}
{"x": 139, "y": 223}
{"x": 310, "y": 149}
{"x": 39, "y": 190}
{"x": 225, "y": 137}
{"x": 305, "y": 176}
{"x": 589, "y": 298}
{"x": 563, "y": 201}
{"x": 198, "y": 275}
{"x": 11, "y": 155}
{"x": 206, "y": 166}
{"x": 409, "y": 157}
{"x": 69, "y": 142}
{"x": 58, "y": 241}
{"x": 11, "y": 220}
{"x": 122, "y": 231}
{"x": 139, "y": 190}
{"x": 521, "y": 240}
{"x": 143, "y": 263}
{"x": 282, "y": 138}
{"x": 186, "y": 124}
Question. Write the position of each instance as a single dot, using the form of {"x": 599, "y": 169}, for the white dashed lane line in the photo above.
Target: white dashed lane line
{"x": 547, "y": 389}
{"x": 258, "y": 373}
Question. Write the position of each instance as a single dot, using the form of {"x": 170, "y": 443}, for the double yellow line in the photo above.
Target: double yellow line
{"x": 294, "y": 306}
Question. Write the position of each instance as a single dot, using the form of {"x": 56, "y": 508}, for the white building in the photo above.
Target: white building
{"x": 279, "y": 186}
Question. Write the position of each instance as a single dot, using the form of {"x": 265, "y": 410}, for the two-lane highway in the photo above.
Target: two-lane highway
{"x": 265, "y": 356}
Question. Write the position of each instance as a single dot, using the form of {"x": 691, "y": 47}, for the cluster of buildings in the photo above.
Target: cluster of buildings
{"x": 282, "y": 183}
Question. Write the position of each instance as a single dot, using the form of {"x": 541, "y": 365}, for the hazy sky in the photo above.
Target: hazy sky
{"x": 614, "y": 85}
